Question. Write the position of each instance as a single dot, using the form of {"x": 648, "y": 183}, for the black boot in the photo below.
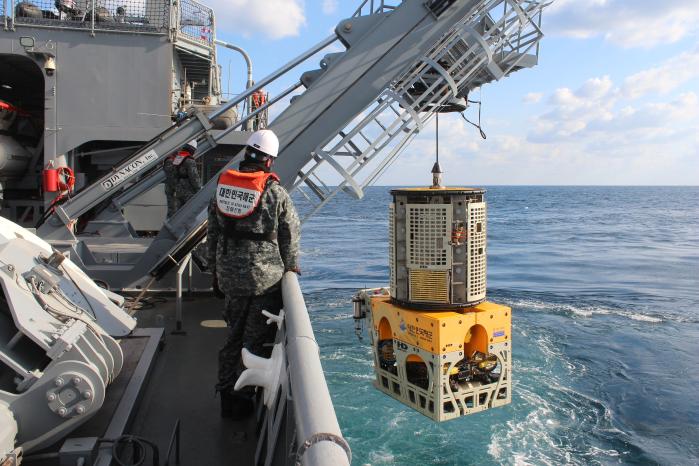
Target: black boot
{"x": 227, "y": 404}
{"x": 242, "y": 406}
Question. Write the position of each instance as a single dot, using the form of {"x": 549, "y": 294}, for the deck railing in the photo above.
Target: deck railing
{"x": 297, "y": 421}
{"x": 195, "y": 22}
{"x": 186, "y": 19}
{"x": 372, "y": 7}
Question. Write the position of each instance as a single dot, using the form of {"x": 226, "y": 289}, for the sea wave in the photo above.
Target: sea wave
{"x": 591, "y": 310}
{"x": 553, "y": 424}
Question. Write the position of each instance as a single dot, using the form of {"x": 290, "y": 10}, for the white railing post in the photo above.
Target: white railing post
{"x": 178, "y": 19}
{"x": 184, "y": 265}
{"x": 12, "y": 14}
{"x": 92, "y": 19}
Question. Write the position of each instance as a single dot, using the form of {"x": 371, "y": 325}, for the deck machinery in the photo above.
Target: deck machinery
{"x": 438, "y": 346}
{"x": 58, "y": 343}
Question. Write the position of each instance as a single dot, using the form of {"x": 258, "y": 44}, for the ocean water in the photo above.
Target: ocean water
{"x": 604, "y": 286}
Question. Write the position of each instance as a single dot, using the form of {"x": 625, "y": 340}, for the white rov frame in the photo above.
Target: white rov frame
{"x": 438, "y": 400}
{"x": 52, "y": 311}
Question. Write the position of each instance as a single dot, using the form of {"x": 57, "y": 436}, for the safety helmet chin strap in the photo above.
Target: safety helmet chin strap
{"x": 257, "y": 160}
{"x": 256, "y": 165}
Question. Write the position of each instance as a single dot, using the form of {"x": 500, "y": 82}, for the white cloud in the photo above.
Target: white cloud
{"x": 274, "y": 19}
{"x": 602, "y": 132}
{"x": 329, "y": 6}
{"x": 664, "y": 78}
{"x": 598, "y": 109}
{"x": 533, "y": 98}
{"x": 628, "y": 23}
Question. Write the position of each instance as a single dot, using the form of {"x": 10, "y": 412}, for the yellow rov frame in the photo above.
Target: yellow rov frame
{"x": 433, "y": 342}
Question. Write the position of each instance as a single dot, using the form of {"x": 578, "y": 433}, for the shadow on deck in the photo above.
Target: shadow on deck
{"x": 181, "y": 386}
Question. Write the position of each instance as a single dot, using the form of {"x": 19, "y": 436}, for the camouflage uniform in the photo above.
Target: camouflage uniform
{"x": 181, "y": 183}
{"x": 249, "y": 273}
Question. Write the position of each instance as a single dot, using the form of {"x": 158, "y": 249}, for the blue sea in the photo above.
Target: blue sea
{"x": 604, "y": 286}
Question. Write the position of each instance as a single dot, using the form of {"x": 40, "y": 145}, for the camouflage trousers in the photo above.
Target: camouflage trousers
{"x": 175, "y": 202}
{"x": 247, "y": 328}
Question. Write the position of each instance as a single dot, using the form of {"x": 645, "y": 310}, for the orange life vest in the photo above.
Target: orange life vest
{"x": 180, "y": 157}
{"x": 238, "y": 193}
{"x": 259, "y": 98}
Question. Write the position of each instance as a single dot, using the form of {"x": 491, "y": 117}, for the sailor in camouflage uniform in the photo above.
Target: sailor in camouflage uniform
{"x": 181, "y": 177}
{"x": 253, "y": 239}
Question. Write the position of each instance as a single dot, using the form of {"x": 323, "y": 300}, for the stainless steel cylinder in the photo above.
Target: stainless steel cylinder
{"x": 438, "y": 247}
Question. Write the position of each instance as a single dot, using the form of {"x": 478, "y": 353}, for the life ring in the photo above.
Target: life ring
{"x": 66, "y": 179}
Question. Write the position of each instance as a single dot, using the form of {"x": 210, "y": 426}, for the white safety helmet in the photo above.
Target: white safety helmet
{"x": 265, "y": 141}
{"x": 191, "y": 146}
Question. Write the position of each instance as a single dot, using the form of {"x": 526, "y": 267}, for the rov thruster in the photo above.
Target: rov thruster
{"x": 438, "y": 345}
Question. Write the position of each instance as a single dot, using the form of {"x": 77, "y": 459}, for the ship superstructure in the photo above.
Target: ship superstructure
{"x": 91, "y": 82}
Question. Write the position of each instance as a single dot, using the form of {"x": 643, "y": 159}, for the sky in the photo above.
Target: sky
{"x": 614, "y": 99}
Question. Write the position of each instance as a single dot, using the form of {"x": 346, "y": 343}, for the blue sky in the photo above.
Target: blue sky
{"x": 614, "y": 99}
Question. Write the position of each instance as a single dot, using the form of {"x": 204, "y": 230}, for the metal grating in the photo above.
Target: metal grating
{"x": 132, "y": 15}
{"x": 428, "y": 235}
{"x": 429, "y": 286}
{"x": 196, "y": 21}
{"x": 392, "y": 247}
{"x": 476, "y": 246}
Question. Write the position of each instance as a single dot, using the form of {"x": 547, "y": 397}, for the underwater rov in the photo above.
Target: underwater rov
{"x": 438, "y": 346}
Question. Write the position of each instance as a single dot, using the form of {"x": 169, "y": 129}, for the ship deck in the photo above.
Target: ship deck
{"x": 181, "y": 387}
{"x": 174, "y": 378}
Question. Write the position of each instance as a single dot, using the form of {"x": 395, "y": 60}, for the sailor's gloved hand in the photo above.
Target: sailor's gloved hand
{"x": 217, "y": 291}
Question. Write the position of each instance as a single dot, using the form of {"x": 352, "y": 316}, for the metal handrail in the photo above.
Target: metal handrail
{"x": 296, "y": 423}
{"x": 375, "y": 7}
{"x": 248, "y": 61}
{"x": 318, "y": 434}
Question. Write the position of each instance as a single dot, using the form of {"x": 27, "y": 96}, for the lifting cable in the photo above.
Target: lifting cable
{"x": 478, "y": 126}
